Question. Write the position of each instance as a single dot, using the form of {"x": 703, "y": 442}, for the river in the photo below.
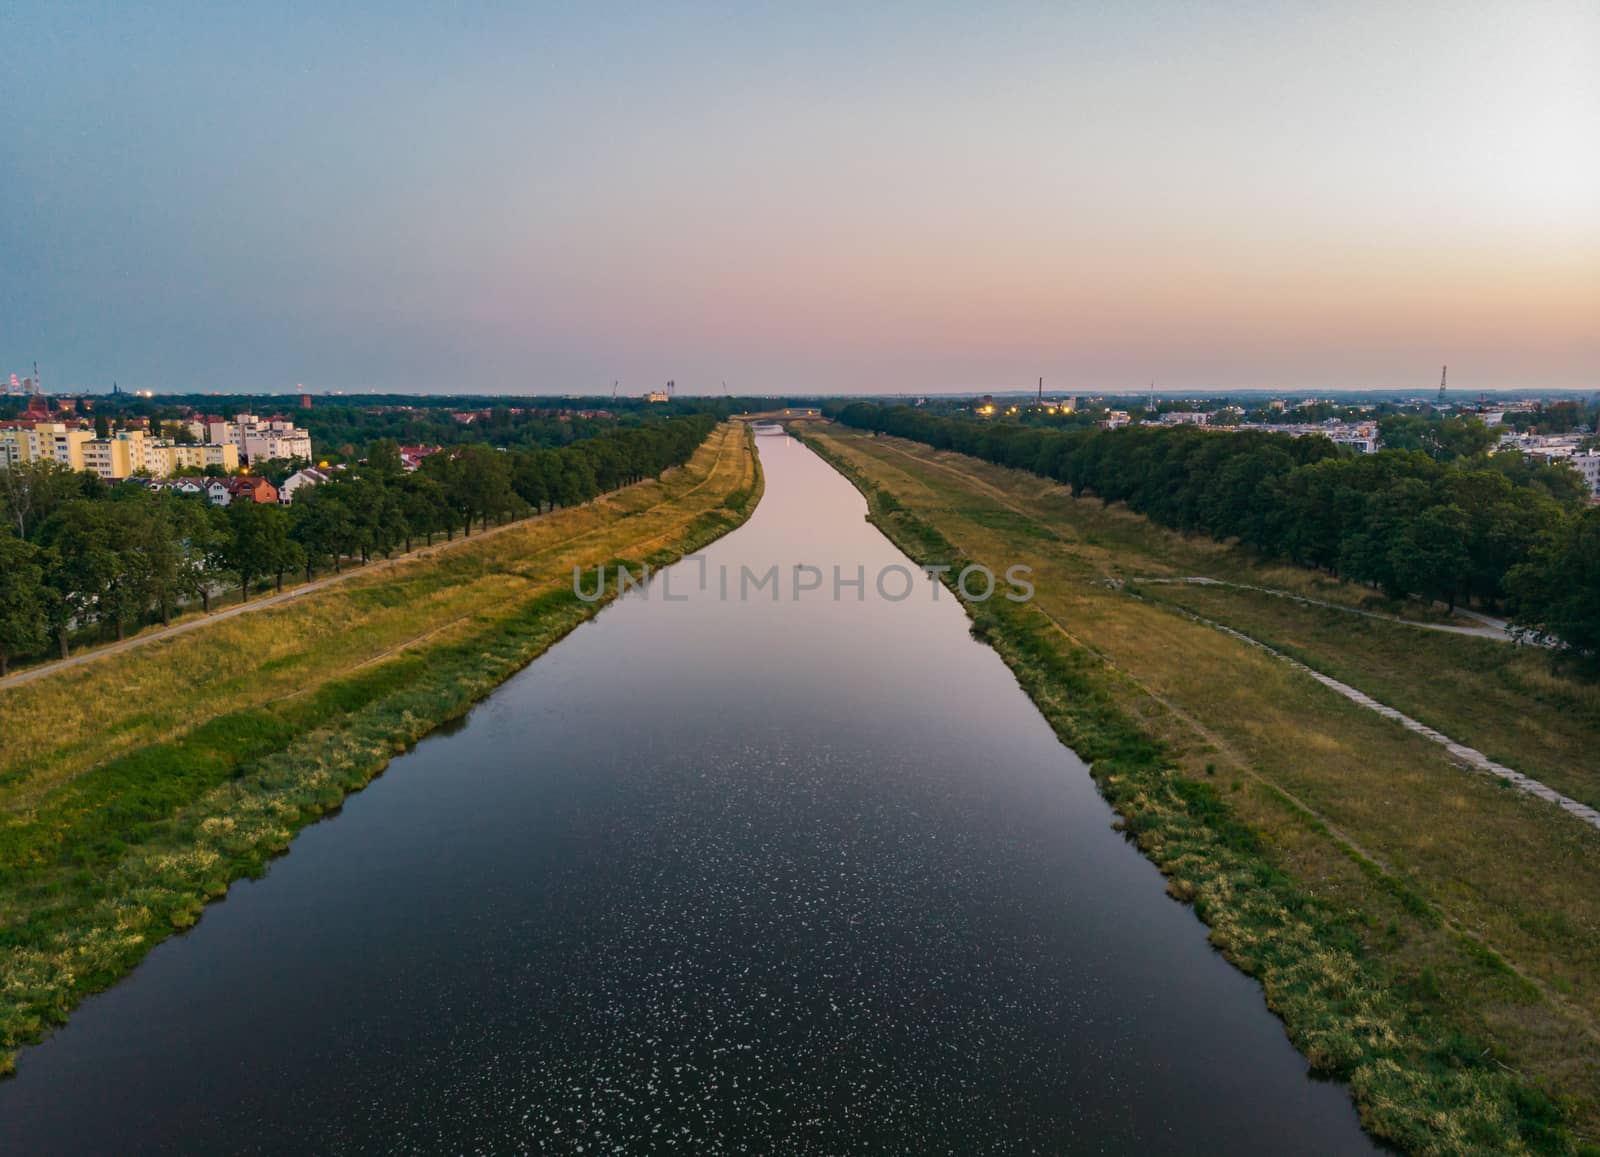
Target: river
{"x": 804, "y": 875}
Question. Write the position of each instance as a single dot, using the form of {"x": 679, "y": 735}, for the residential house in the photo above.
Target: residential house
{"x": 251, "y": 489}
{"x": 300, "y": 480}
{"x": 411, "y": 456}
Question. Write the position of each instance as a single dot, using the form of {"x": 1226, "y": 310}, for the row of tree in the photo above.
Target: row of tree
{"x": 78, "y": 555}
{"x": 1480, "y": 526}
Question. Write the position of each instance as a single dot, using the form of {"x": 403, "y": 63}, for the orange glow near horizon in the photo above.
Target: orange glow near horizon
{"x": 824, "y": 199}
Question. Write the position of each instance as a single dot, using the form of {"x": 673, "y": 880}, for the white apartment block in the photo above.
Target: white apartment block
{"x": 1363, "y": 438}
{"x": 1587, "y": 463}
{"x": 261, "y": 444}
{"x": 257, "y": 439}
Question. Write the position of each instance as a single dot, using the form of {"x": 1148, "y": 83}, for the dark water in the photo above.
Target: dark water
{"x": 805, "y": 876}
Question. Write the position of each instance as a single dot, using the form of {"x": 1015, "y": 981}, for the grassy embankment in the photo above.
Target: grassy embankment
{"x": 135, "y": 788}
{"x": 1426, "y": 934}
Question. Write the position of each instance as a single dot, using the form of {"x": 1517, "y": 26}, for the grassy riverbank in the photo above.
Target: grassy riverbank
{"x": 1426, "y": 935}
{"x": 136, "y": 788}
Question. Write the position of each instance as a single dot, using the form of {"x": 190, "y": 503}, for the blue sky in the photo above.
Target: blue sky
{"x": 524, "y": 198}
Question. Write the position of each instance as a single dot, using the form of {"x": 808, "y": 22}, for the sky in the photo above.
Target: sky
{"x": 853, "y": 198}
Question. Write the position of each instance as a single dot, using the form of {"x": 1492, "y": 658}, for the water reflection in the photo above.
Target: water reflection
{"x": 798, "y": 876}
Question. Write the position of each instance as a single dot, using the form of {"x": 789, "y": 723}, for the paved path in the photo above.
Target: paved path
{"x": 260, "y": 604}
{"x": 1487, "y": 628}
{"x": 1466, "y": 756}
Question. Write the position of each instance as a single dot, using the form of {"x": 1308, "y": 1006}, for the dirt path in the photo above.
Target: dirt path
{"x": 1468, "y": 757}
{"x": 1460, "y": 752}
{"x": 1342, "y": 837}
{"x": 1488, "y": 628}
{"x": 276, "y": 600}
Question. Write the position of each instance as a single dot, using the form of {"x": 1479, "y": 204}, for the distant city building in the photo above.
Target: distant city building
{"x": 130, "y": 452}
{"x": 260, "y": 440}
{"x": 1362, "y": 439}
{"x": 257, "y": 439}
{"x": 1557, "y": 448}
{"x": 122, "y": 455}
{"x": 31, "y": 441}
{"x": 1587, "y": 463}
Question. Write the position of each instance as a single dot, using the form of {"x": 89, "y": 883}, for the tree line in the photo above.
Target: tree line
{"x": 1518, "y": 537}
{"x": 78, "y": 556}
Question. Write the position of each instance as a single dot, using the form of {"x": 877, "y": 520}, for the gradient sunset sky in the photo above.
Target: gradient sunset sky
{"x": 817, "y": 197}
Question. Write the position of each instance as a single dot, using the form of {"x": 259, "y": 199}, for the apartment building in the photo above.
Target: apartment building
{"x": 130, "y": 452}
{"x": 258, "y": 439}
{"x": 122, "y": 455}
{"x": 1587, "y": 463}
{"x": 199, "y": 456}
{"x": 43, "y": 441}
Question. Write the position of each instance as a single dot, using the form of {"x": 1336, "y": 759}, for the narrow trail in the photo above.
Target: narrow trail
{"x": 1342, "y": 838}
{"x": 277, "y": 600}
{"x": 1468, "y": 757}
{"x": 1488, "y": 628}
{"x": 1463, "y": 754}
{"x": 206, "y": 619}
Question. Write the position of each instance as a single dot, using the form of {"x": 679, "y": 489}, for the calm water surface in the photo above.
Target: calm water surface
{"x": 798, "y": 876}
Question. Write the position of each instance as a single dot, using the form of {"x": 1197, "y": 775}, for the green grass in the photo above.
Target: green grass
{"x": 1425, "y": 935}
{"x": 103, "y": 864}
{"x": 1506, "y": 701}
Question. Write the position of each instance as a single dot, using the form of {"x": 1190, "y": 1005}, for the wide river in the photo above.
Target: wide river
{"x": 810, "y": 875}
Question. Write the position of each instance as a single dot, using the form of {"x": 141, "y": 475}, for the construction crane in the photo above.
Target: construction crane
{"x": 614, "y": 386}
{"x": 1443, "y": 374}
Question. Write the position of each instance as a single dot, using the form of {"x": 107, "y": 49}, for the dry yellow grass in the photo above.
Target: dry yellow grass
{"x": 56, "y": 727}
{"x": 149, "y": 780}
{"x": 1449, "y": 872}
